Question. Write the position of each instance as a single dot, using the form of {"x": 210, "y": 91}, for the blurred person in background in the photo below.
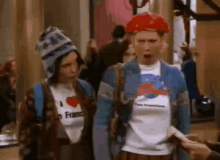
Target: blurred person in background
{"x": 129, "y": 54}
{"x": 89, "y": 69}
{"x": 7, "y": 93}
{"x": 188, "y": 67}
{"x": 55, "y": 121}
{"x": 111, "y": 53}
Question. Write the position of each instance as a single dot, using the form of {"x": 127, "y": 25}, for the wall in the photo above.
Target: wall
{"x": 107, "y": 15}
{"x": 165, "y": 8}
{"x": 27, "y": 18}
{"x": 84, "y": 25}
{"x": 71, "y": 16}
{"x": 6, "y": 42}
{"x": 207, "y": 42}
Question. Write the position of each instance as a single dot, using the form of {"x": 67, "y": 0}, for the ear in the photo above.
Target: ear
{"x": 163, "y": 46}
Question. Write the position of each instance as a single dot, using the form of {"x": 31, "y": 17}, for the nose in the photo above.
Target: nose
{"x": 146, "y": 46}
{"x": 73, "y": 68}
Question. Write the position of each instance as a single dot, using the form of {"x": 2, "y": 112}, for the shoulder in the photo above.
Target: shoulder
{"x": 87, "y": 87}
{"x": 172, "y": 70}
{"x": 109, "y": 76}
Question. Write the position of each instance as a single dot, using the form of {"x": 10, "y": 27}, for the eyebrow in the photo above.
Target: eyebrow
{"x": 66, "y": 64}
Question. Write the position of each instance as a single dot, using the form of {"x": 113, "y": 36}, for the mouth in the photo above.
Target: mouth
{"x": 147, "y": 56}
{"x": 72, "y": 77}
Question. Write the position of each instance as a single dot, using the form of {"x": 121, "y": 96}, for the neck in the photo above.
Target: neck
{"x": 147, "y": 64}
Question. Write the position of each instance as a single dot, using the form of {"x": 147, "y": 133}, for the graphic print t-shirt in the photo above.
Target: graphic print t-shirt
{"x": 69, "y": 110}
{"x": 151, "y": 115}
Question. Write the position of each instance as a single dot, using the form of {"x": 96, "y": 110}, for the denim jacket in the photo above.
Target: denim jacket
{"x": 179, "y": 102}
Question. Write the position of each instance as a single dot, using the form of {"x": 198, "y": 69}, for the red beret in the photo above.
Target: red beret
{"x": 147, "y": 21}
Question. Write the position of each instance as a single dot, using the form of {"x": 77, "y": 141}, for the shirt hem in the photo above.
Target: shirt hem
{"x": 145, "y": 152}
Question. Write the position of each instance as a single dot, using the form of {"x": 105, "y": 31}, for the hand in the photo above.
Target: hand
{"x": 197, "y": 151}
{"x": 195, "y": 138}
{"x": 184, "y": 46}
{"x": 213, "y": 145}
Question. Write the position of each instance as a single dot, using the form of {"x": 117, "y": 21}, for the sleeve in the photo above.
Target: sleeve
{"x": 183, "y": 106}
{"x": 27, "y": 133}
{"x": 214, "y": 156}
{"x": 182, "y": 113}
{"x": 190, "y": 77}
{"x": 102, "y": 117}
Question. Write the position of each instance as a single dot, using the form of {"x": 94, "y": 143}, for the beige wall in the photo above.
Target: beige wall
{"x": 165, "y": 8}
{"x": 72, "y": 16}
{"x": 27, "y": 25}
{"x": 64, "y": 15}
{"x": 208, "y": 42}
{"x": 84, "y": 26}
{"x": 6, "y": 43}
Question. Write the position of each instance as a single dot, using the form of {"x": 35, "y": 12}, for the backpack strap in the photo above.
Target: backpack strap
{"x": 39, "y": 100}
{"x": 116, "y": 114}
{"x": 119, "y": 81}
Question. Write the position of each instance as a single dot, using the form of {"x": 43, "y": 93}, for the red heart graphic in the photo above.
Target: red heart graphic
{"x": 72, "y": 101}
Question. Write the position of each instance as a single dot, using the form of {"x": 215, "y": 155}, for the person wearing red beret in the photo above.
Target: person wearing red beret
{"x": 154, "y": 98}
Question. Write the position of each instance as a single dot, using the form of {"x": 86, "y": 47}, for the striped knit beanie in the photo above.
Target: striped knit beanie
{"x": 52, "y": 44}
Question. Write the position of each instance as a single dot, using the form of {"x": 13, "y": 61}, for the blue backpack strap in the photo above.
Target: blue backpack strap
{"x": 39, "y": 101}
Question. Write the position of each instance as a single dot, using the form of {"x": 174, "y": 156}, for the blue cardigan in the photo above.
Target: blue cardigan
{"x": 174, "y": 81}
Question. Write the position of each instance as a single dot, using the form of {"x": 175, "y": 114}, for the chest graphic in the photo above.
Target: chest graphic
{"x": 72, "y": 101}
{"x": 151, "y": 86}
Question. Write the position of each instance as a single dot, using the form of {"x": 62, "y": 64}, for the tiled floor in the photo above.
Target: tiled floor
{"x": 205, "y": 130}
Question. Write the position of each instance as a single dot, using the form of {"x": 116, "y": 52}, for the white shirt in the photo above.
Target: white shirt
{"x": 151, "y": 115}
{"x": 69, "y": 110}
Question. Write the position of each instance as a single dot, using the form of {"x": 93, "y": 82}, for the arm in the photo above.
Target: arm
{"x": 27, "y": 133}
{"x": 198, "y": 151}
{"x": 102, "y": 117}
{"x": 190, "y": 76}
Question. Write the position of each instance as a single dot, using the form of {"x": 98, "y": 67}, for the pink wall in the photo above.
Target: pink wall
{"x": 109, "y": 14}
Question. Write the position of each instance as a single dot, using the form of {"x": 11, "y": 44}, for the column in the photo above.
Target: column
{"x": 165, "y": 8}
{"x": 27, "y": 25}
{"x": 6, "y": 43}
{"x": 72, "y": 16}
{"x": 207, "y": 43}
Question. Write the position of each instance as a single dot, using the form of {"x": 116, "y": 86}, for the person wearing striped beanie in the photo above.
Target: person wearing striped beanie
{"x": 68, "y": 105}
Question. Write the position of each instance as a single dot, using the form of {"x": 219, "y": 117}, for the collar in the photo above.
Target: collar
{"x": 136, "y": 69}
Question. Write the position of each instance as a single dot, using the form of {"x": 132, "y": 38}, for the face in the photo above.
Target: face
{"x": 68, "y": 68}
{"x": 129, "y": 55}
{"x": 147, "y": 45}
{"x": 13, "y": 68}
{"x": 93, "y": 44}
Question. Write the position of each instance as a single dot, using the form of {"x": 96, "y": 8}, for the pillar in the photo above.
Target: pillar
{"x": 207, "y": 42}
{"x": 165, "y": 8}
{"x": 6, "y": 43}
{"x": 27, "y": 25}
{"x": 72, "y": 17}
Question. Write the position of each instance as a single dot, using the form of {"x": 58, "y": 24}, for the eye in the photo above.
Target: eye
{"x": 141, "y": 40}
{"x": 66, "y": 65}
{"x": 152, "y": 41}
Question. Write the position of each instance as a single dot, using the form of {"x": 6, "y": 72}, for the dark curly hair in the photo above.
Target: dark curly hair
{"x": 118, "y": 32}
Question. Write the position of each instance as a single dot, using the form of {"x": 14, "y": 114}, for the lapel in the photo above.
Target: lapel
{"x": 132, "y": 79}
